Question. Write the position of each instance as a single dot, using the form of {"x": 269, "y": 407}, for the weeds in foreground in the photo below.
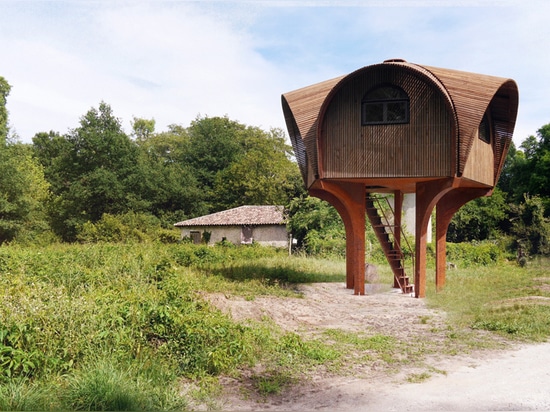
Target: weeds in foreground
{"x": 20, "y": 394}
{"x": 111, "y": 326}
{"x": 272, "y": 383}
{"x": 418, "y": 377}
{"x": 117, "y": 326}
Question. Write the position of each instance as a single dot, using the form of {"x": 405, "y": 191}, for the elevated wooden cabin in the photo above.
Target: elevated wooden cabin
{"x": 399, "y": 127}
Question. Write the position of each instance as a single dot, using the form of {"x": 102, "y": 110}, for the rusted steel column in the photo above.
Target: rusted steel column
{"x": 427, "y": 195}
{"x": 447, "y": 206}
{"x": 349, "y": 200}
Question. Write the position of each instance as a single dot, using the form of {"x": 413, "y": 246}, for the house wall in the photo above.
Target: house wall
{"x": 479, "y": 166}
{"x": 275, "y": 235}
{"x": 266, "y": 235}
{"x": 422, "y": 148}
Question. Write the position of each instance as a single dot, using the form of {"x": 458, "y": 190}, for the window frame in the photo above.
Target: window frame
{"x": 383, "y": 103}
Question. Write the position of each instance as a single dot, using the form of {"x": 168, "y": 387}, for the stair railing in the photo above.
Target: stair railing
{"x": 383, "y": 206}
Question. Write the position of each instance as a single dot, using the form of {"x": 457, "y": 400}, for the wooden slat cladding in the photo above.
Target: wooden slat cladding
{"x": 479, "y": 166}
{"x": 301, "y": 109}
{"x": 503, "y": 109}
{"x": 421, "y": 148}
{"x": 471, "y": 94}
{"x": 296, "y": 139}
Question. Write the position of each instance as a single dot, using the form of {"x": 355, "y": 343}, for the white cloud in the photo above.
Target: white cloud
{"x": 173, "y": 60}
{"x": 170, "y": 63}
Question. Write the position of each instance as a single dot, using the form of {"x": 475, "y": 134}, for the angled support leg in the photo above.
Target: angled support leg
{"x": 427, "y": 196}
{"x": 349, "y": 200}
{"x": 447, "y": 206}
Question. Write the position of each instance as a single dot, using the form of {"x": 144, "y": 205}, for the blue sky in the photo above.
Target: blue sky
{"x": 176, "y": 60}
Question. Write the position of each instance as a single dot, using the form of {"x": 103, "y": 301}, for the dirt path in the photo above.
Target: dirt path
{"x": 517, "y": 378}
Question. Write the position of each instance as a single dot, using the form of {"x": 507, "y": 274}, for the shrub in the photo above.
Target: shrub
{"x": 128, "y": 227}
{"x": 87, "y": 318}
{"x": 331, "y": 244}
{"x": 475, "y": 253}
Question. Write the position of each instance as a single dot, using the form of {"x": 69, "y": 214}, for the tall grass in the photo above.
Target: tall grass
{"x": 116, "y": 326}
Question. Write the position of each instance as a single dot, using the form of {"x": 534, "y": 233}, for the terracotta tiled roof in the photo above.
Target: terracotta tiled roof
{"x": 243, "y": 215}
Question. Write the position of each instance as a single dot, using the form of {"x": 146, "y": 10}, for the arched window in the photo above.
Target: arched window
{"x": 385, "y": 105}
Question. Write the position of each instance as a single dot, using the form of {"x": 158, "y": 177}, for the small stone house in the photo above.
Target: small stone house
{"x": 265, "y": 225}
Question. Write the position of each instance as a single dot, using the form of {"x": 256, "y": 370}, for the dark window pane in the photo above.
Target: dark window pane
{"x": 396, "y": 112}
{"x": 373, "y": 112}
{"x": 385, "y": 105}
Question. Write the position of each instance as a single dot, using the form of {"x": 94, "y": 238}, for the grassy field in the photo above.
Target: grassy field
{"x": 120, "y": 326}
{"x": 504, "y": 298}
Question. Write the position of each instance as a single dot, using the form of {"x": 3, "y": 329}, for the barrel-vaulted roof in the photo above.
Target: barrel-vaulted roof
{"x": 469, "y": 95}
{"x": 239, "y": 216}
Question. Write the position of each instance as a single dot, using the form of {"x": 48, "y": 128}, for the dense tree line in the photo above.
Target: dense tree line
{"x": 64, "y": 181}
{"x": 66, "y": 186}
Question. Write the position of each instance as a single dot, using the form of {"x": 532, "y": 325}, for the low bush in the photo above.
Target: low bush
{"x": 130, "y": 227}
{"x": 475, "y": 253}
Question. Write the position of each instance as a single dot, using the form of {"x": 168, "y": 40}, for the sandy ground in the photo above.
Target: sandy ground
{"x": 514, "y": 378}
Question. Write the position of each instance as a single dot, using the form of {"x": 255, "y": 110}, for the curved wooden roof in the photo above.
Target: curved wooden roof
{"x": 469, "y": 96}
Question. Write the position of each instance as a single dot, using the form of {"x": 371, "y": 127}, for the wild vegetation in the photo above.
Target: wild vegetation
{"x": 108, "y": 326}
{"x": 104, "y": 308}
{"x": 118, "y": 326}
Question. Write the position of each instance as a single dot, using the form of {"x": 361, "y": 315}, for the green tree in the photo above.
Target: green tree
{"x": 100, "y": 142}
{"x": 166, "y": 180}
{"x": 527, "y": 171}
{"x": 316, "y": 226}
{"x": 167, "y": 147}
{"x": 530, "y": 227}
{"x": 214, "y": 143}
{"x": 23, "y": 194}
{"x": 23, "y": 188}
{"x": 538, "y": 157}
{"x": 5, "y": 89}
{"x": 93, "y": 167}
{"x": 52, "y": 149}
{"x": 143, "y": 128}
{"x": 171, "y": 189}
{"x": 262, "y": 175}
{"x": 480, "y": 219}
{"x": 507, "y": 175}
